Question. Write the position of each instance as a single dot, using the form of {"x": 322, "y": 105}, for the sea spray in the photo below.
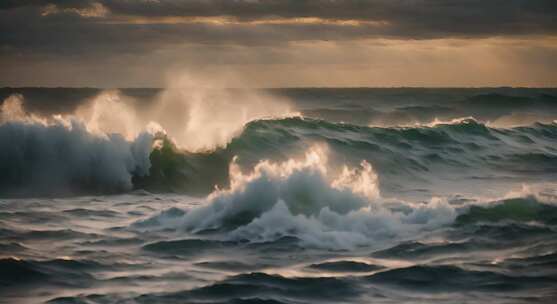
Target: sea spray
{"x": 300, "y": 198}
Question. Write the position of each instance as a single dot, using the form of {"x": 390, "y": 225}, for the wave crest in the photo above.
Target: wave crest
{"x": 302, "y": 198}
{"x": 60, "y": 156}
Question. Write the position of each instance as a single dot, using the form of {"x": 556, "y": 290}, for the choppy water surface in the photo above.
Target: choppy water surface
{"x": 362, "y": 196}
{"x": 101, "y": 249}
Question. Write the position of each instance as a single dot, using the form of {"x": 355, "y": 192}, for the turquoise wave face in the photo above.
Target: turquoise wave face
{"x": 527, "y": 209}
{"x": 405, "y": 158}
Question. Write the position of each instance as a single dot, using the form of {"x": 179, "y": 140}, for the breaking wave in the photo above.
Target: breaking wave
{"x": 303, "y": 199}
{"x": 98, "y": 150}
{"x": 58, "y": 159}
{"x": 410, "y": 157}
{"x": 107, "y": 142}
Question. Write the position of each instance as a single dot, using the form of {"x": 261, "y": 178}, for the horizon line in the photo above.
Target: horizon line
{"x": 285, "y": 87}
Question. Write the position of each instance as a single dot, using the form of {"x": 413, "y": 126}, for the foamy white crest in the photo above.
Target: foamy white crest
{"x": 196, "y": 113}
{"x": 201, "y": 114}
{"x": 519, "y": 119}
{"x": 109, "y": 112}
{"x": 301, "y": 198}
{"x": 363, "y": 181}
{"x": 60, "y": 154}
{"x": 12, "y": 110}
{"x": 542, "y": 192}
{"x": 434, "y": 123}
{"x": 454, "y": 121}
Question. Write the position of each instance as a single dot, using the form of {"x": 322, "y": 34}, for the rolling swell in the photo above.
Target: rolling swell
{"x": 259, "y": 287}
{"x": 32, "y": 161}
{"x": 346, "y": 266}
{"x": 401, "y": 156}
{"x": 443, "y": 278}
{"x": 19, "y": 273}
{"x": 527, "y": 209}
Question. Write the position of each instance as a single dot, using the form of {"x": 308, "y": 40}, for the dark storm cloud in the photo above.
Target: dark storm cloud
{"x": 68, "y": 26}
{"x": 405, "y": 18}
{"x": 38, "y": 32}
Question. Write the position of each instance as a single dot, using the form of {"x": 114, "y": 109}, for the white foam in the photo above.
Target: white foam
{"x": 301, "y": 198}
{"x": 60, "y": 154}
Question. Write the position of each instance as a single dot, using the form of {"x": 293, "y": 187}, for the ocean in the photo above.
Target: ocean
{"x": 301, "y": 195}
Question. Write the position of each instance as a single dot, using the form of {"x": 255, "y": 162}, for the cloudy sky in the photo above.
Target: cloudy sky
{"x": 276, "y": 43}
